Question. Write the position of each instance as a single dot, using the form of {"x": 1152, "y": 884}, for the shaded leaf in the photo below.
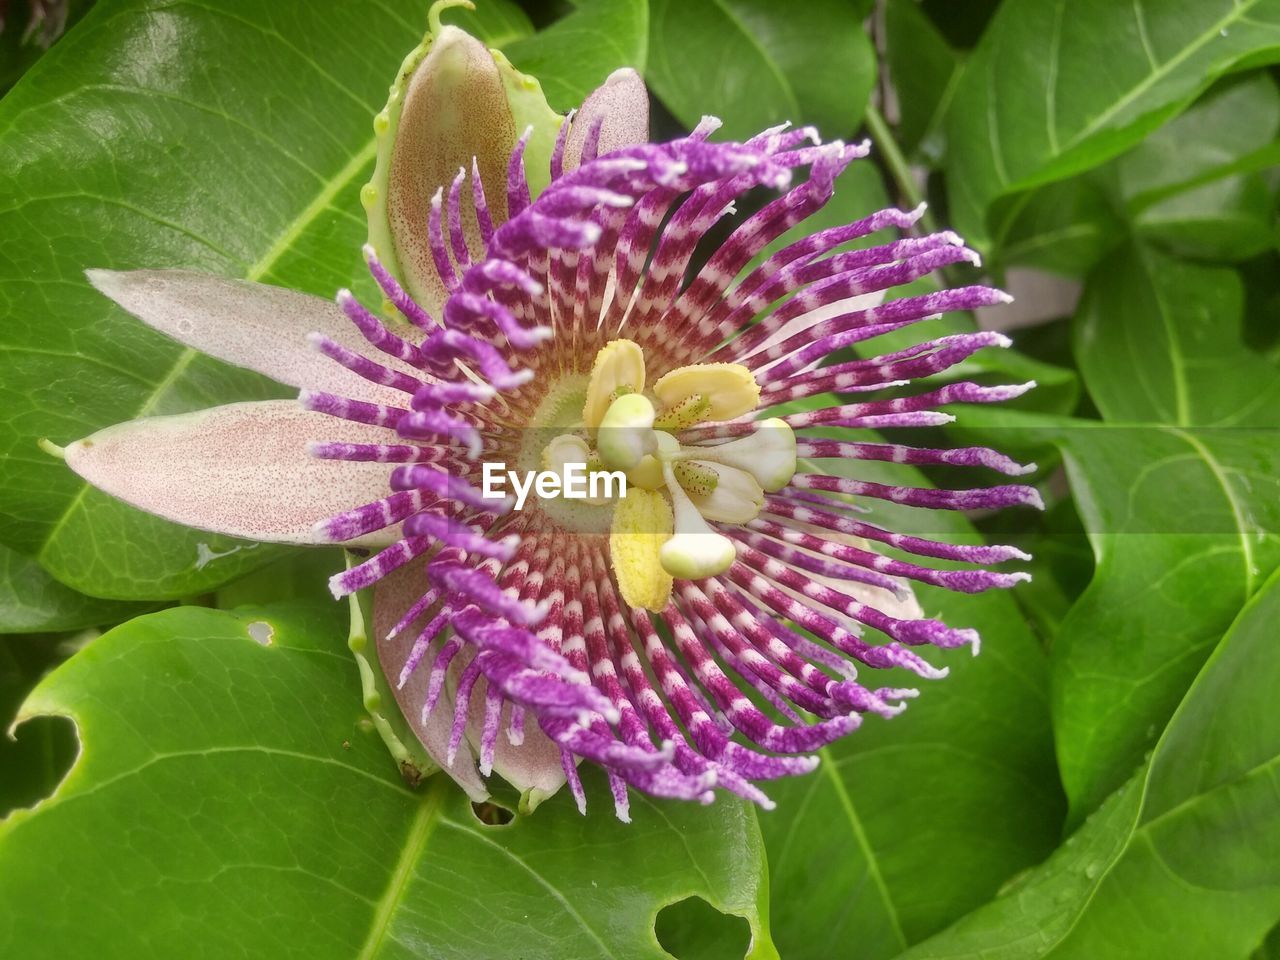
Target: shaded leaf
{"x": 754, "y": 63}
{"x": 1185, "y": 524}
{"x": 1065, "y": 227}
{"x": 1054, "y": 89}
{"x": 35, "y": 760}
{"x": 241, "y": 806}
{"x": 925, "y": 72}
{"x": 1184, "y": 860}
{"x": 1160, "y": 341}
{"x": 573, "y": 56}
{"x": 31, "y": 601}
{"x": 1194, "y": 184}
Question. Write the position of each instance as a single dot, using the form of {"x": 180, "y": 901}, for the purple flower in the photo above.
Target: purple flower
{"x": 704, "y": 630}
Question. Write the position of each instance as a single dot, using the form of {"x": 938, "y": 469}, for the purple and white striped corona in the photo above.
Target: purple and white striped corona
{"x": 709, "y": 628}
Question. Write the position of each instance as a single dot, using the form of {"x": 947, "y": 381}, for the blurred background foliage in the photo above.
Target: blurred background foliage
{"x": 1101, "y": 782}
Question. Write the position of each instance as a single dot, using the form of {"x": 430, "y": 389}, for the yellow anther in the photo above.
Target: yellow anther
{"x": 730, "y": 387}
{"x": 618, "y": 370}
{"x": 642, "y": 524}
{"x": 684, "y": 414}
{"x": 695, "y": 550}
{"x": 698, "y": 479}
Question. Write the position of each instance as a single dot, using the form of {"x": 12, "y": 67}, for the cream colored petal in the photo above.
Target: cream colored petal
{"x": 621, "y": 104}
{"x": 250, "y": 325}
{"x": 392, "y": 597}
{"x": 242, "y": 469}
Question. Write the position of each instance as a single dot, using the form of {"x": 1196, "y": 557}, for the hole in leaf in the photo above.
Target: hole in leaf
{"x": 261, "y": 632}
{"x": 492, "y": 815}
{"x": 692, "y": 929}
{"x": 42, "y": 753}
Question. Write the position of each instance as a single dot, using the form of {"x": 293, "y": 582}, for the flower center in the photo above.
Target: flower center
{"x": 660, "y": 531}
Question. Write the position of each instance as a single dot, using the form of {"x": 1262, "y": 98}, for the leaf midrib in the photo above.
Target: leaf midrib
{"x": 421, "y": 827}
{"x": 828, "y": 768}
{"x": 1238, "y": 10}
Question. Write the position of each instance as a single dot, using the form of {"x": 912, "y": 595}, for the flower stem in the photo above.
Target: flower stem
{"x": 899, "y": 169}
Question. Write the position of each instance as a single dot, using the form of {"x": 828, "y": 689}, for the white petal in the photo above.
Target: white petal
{"x": 806, "y": 320}
{"x": 392, "y": 597}
{"x": 250, "y": 325}
{"x": 241, "y": 469}
{"x": 621, "y": 103}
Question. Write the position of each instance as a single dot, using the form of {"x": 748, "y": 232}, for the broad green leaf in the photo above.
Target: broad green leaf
{"x": 754, "y": 63}
{"x": 152, "y": 150}
{"x": 1185, "y": 525}
{"x": 1065, "y": 227}
{"x": 1194, "y": 185}
{"x": 229, "y": 796}
{"x": 925, "y": 72}
{"x": 499, "y": 23}
{"x": 573, "y": 56}
{"x": 31, "y": 601}
{"x": 1184, "y": 860}
{"x": 915, "y": 821}
{"x": 1056, "y": 88}
{"x": 1160, "y": 341}
{"x": 1233, "y": 120}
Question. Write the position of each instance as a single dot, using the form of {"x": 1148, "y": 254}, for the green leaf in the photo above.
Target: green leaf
{"x": 1054, "y": 89}
{"x": 1233, "y": 120}
{"x": 1065, "y": 227}
{"x": 1185, "y": 524}
{"x": 499, "y": 23}
{"x": 925, "y": 72}
{"x": 919, "y": 819}
{"x": 1184, "y": 861}
{"x": 1160, "y": 341}
{"x": 152, "y": 150}
{"x": 1194, "y": 185}
{"x": 574, "y": 55}
{"x": 31, "y": 601}
{"x": 754, "y": 63}
{"x": 228, "y": 795}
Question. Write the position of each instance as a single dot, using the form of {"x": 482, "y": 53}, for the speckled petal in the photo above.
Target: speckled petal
{"x": 250, "y": 325}
{"x": 393, "y": 597}
{"x": 621, "y": 106}
{"x": 242, "y": 469}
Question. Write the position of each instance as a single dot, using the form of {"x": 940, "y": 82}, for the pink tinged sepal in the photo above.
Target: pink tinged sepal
{"x": 455, "y": 106}
{"x": 251, "y": 325}
{"x": 243, "y": 469}
{"x": 619, "y": 107}
{"x": 393, "y": 597}
{"x": 533, "y": 766}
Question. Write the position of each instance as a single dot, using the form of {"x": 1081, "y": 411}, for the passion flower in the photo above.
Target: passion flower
{"x": 703, "y": 629}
